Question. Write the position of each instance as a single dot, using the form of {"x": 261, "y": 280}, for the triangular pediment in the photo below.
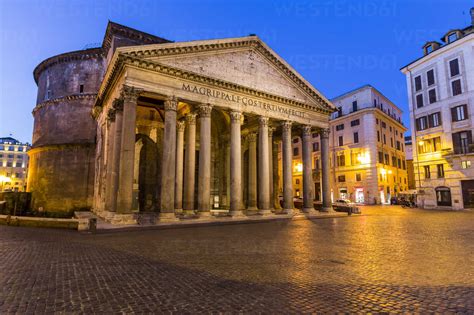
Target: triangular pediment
{"x": 244, "y": 61}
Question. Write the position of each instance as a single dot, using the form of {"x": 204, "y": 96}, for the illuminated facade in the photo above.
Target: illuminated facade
{"x": 441, "y": 97}
{"x": 367, "y": 154}
{"x": 13, "y": 164}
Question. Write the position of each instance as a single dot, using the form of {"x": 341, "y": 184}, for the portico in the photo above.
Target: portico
{"x": 191, "y": 127}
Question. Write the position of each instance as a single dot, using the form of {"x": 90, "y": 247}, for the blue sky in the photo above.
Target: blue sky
{"x": 336, "y": 45}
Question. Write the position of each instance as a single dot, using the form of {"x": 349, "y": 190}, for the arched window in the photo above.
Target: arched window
{"x": 443, "y": 196}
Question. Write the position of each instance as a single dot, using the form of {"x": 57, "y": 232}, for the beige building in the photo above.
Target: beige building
{"x": 13, "y": 164}
{"x": 178, "y": 128}
{"x": 441, "y": 97}
{"x": 366, "y": 149}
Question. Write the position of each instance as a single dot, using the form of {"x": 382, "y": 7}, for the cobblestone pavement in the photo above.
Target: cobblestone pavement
{"x": 389, "y": 259}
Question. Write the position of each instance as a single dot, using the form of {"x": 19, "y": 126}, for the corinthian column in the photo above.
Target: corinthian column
{"x": 190, "y": 163}
{"x": 115, "y": 161}
{"x": 263, "y": 167}
{"x": 204, "y": 181}
{"x": 178, "y": 189}
{"x": 127, "y": 154}
{"x": 252, "y": 187}
{"x": 168, "y": 162}
{"x": 326, "y": 188}
{"x": 287, "y": 171}
{"x": 235, "y": 165}
{"x": 276, "y": 179}
{"x": 308, "y": 184}
{"x": 109, "y": 195}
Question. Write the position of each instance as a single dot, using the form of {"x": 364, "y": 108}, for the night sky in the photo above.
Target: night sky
{"x": 336, "y": 45}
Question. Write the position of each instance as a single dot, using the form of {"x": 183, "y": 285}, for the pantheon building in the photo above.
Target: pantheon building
{"x": 175, "y": 129}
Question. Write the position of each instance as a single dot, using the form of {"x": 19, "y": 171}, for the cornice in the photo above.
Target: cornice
{"x": 73, "y": 97}
{"x": 245, "y": 42}
{"x": 123, "y": 60}
{"x": 67, "y": 57}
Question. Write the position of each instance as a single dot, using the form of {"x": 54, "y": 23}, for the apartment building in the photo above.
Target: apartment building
{"x": 441, "y": 99}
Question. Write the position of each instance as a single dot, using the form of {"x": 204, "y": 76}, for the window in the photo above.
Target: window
{"x": 462, "y": 142}
{"x": 454, "y": 67}
{"x": 421, "y": 123}
{"x": 465, "y": 164}
{"x": 440, "y": 169}
{"x": 418, "y": 83}
{"x": 295, "y": 151}
{"x": 341, "y": 140}
{"x": 341, "y": 160}
{"x": 419, "y": 100}
{"x": 340, "y": 127}
{"x": 456, "y": 87}
{"x": 316, "y": 146}
{"x": 443, "y": 196}
{"x": 452, "y": 37}
{"x": 358, "y": 177}
{"x": 354, "y": 106}
{"x": 355, "y": 123}
{"x": 427, "y": 171}
{"x": 432, "y": 96}
{"x": 430, "y": 77}
{"x": 459, "y": 113}
{"x": 356, "y": 137}
{"x": 434, "y": 120}
{"x": 341, "y": 178}
{"x": 81, "y": 88}
{"x": 381, "y": 157}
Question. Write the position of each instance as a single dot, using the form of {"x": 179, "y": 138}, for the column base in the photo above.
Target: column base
{"x": 310, "y": 211}
{"x": 265, "y": 213}
{"x": 327, "y": 209}
{"x": 237, "y": 214}
{"x": 167, "y": 217}
{"x": 205, "y": 215}
{"x": 288, "y": 211}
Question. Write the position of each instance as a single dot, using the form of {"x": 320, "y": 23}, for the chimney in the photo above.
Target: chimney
{"x": 472, "y": 16}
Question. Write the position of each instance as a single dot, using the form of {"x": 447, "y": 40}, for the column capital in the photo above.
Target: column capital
{"x": 306, "y": 131}
{"x": 205, "y": 110}
{"x": 130, "y": 93}
{"x": 263, "y": 121}
{"x": 235, "y": 116}
{"x": 191, "y": 118}
{"x": 286, "y": 125}
{"x": 180, "y": 125}
{"x": 324, "y": 132}
{"x": 171, "y": 103}
{"x": 251, "y": 137}
{"x": 117, "y": 104}
{"x": 111, "y": 115}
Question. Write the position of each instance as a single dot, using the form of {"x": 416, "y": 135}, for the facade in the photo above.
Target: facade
{"x": 441, "y": 97}
{"x": 367, "y": 151}
{"x": 176, "y": 128}
{"x": 13, "y": 164}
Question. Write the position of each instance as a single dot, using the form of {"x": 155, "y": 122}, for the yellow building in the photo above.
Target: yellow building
{"x": 367, "y": 153}
{"x": 13, "y": 164}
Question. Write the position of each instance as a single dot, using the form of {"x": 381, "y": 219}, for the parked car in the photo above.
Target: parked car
{"x": 345, "y": 205}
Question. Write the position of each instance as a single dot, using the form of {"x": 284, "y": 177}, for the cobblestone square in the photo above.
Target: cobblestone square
{"x": 388, "y": 259}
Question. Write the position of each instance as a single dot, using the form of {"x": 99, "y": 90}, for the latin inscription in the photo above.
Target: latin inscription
{"x": 246, "y": 101}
